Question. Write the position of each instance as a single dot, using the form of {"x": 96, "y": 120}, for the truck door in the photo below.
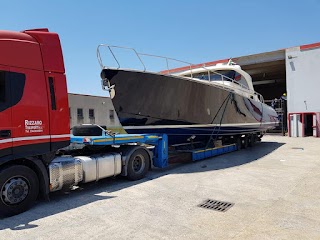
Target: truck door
{"x": 30, "y": 118}
{"x": 58, "y": 110}
{"x": 5, "y": 114}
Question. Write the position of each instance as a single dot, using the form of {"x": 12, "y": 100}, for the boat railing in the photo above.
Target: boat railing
{"x": 139, "y": 55}
{"x": 243, "y": 88}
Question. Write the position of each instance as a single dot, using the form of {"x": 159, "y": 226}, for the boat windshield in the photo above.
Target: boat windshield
{"x": 225, "y": 75}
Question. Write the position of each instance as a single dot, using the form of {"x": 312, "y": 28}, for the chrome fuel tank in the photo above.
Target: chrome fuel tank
{"x": 65, "y": 171}
{"x": 96, "y": 167}
{"x": 68, "y": 171}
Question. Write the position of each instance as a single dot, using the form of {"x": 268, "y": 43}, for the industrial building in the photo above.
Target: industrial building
{"x": 292, "y": 71}
{"x": 87, "y": 109}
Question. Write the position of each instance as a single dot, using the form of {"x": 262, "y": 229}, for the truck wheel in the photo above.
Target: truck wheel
{"x": 138, "y": 164}
{"x": 19, "y": 188}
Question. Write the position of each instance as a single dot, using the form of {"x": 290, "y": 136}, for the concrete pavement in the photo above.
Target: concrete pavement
{"x": 274, "y": 185}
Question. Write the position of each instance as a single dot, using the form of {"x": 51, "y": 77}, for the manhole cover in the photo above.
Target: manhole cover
{"x": 216, "y": 205}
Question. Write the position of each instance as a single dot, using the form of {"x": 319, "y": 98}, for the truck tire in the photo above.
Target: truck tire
{"x": 138, "y": 165}
{"x": 19, "y": 188}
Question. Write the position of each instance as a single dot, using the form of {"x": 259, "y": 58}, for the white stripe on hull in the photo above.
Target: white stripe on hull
{"x": 199, "y": 125}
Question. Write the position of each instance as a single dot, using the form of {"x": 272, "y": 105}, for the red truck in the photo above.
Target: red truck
{"x": 34, "y": 114}
{"x": 34, "y": 125}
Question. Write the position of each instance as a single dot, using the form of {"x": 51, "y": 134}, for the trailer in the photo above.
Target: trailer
{"x": 89, "y": 159}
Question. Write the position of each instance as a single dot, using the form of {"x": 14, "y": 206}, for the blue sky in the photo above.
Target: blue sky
{"x": 194, "y": 31}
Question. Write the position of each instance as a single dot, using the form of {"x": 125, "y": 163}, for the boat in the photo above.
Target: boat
{"x": 198, "y": 103}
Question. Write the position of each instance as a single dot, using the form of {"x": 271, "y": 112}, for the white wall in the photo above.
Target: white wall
{"x": 303, "y": 79}
{"x": 101, "y": 106}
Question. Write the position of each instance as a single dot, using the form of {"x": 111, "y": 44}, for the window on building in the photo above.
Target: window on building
{"x": 91, "y": 113}
{"x": 111, "y": 115}
{"x": 80, "y": 113}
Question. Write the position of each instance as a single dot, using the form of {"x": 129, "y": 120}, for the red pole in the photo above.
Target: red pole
{"x": 302, "y": 115}
{"x": 288, "y": 124}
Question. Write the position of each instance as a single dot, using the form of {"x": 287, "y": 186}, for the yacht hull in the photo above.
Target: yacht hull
{"x": 182, "y": 107}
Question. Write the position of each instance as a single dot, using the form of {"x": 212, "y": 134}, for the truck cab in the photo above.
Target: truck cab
{"x": 35, "y": 153}
{"x": 34, "y": 114}
{"x": 34, "y": 109}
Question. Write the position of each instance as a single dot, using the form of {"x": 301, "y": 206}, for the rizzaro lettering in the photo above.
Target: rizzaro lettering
{"x": 32, "y": 123}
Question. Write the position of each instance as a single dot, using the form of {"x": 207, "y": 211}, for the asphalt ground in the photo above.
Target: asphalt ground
{"x": 274, "y": 187}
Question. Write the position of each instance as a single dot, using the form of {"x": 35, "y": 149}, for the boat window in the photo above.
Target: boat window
{"x": 217, "y": 75}
{"x": 229, "y": 75}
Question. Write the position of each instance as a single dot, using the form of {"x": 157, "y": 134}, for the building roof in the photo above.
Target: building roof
{"x": 211, "y": 63}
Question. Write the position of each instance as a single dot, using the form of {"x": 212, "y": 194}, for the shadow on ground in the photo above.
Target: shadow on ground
{"x": 88, "y": 193}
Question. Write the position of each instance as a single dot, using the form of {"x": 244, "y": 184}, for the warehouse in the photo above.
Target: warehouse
{"x": 292, "y": 71}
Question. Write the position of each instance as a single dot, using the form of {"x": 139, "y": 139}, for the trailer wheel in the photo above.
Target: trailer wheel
{"x": 138, "y": 164}
{"x": 245, "y": 142}
{"x": 19, "y": 188}
{"x": 252, "y": 140}
{"x": 238, "y": 143}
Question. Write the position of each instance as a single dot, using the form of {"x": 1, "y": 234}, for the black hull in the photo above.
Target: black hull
{"x": 154, "y": 103}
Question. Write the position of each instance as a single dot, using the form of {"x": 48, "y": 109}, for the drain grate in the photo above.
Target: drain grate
{"x": 216, "y": 205}
{"x": 297, "y": 148}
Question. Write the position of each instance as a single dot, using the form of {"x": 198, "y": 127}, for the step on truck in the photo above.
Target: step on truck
{"x": 38, "y": 154}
